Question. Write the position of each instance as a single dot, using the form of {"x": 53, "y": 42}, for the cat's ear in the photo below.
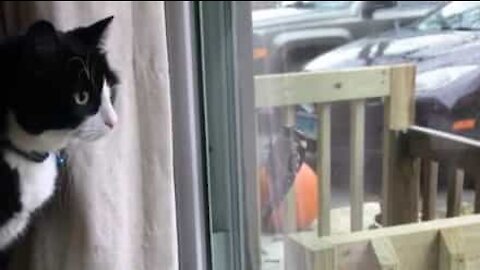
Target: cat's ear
{"x": 42, "y": 38}
{"x": 93, "y": 35}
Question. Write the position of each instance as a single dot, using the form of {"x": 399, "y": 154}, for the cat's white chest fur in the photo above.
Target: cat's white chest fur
{"x": 37, "y": 185}
{"x": 37, "y": 180}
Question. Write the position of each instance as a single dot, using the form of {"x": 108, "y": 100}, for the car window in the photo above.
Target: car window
{"x": 318, "y": 5}
{"x": 416, "y": 4}
{"x": 461, "y": 15}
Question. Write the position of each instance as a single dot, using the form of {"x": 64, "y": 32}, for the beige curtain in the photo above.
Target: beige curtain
{"x": 116, "y": 209}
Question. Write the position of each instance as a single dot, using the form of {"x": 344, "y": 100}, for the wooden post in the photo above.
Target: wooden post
{"x": 387, "y": 163}
{"x": 291, "y": 200}
{"x": 415, "y": 210}
{"x": 402, "y": 106}
{"x": 455, "y": 190}
{"x": 429, "y": 189}
{"x": 401, "y": 181}
{"x": 357, "y": 146}
{"x": 476, "y": 176}
{"x": 324, "y": 167}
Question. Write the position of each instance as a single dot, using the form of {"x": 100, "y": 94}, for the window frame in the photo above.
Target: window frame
{"x": 225, "y": 28}
{"x": 211, "y": 76}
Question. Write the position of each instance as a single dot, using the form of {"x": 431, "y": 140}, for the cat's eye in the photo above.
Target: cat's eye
{"x": 81, "y": 98}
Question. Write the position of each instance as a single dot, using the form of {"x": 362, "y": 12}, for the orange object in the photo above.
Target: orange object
{"x": 306, "y": 195}
{"x": 465, "y": 124}
{"x": 306, "y": 192}
{"x": 264, "y": 186}
{"x": 260, "y": 53}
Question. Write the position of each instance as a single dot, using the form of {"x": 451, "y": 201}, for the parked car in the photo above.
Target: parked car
{"x": 287, "y": 37}
{"x": 445, "y": 46}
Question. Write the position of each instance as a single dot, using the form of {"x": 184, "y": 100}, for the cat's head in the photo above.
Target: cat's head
{"x": 64, "y": 87}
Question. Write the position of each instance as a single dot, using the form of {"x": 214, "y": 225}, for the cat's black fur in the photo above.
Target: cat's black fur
{"x": 41, "y": 71}
{"x": 42, "y": 65}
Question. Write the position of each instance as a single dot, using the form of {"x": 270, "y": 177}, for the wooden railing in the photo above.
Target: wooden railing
{"x": 452, "y": 243}
{"x": 394, "y": 84}
{"x": 412, "y": 157}
{"x": 439, "y": 244}
{"x": 459, "y": 155}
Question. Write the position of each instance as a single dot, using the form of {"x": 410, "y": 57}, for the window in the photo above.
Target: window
{"x": 332, "y": 125}
{"x": 459, "y": 15}
{"x": 319, "y": 5}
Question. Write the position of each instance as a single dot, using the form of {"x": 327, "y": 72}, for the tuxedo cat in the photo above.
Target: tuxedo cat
{"x": 55, "y": 87}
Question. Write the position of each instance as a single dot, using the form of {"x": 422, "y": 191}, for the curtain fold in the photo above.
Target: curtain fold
{"x": 115, "y": 209}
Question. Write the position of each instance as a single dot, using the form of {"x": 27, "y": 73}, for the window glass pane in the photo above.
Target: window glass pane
{"x": 315, "y": 65}
{"x": 457, "y": 15}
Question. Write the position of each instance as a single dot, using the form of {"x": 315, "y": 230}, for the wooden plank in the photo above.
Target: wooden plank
{"x": 357, "y": 156}
{"x": 290, "y": 116}
{"x": 291, "y": 200}
{"x": 296, "y": 258}
{"x": 459, "y": 151}
{"x": 417, "y": 250}
{"x": 429, "y": 189}
{"x": 387, "y": 162}
{"x": 452, "y": 250}
{"x": 416, "y": 245}
{"x": 356, "y": 257}
{"x": 470, "y": 241}
{"x": 455, "y": 190}
{"x": 415, "y": 191}
{"x": 290, "y": 212}
{"x": 321, "y": 87}
{"x": 402, "y": 85}
{"x": 476, "y": 176}
{"x": 401, "y": 178}
{"x": 385, "y": 254}
{"x": 310, "y": 241}
{"x": 324, "y": 167}
{"x": 327, "y": 259}
{"x": 454, "y": 139}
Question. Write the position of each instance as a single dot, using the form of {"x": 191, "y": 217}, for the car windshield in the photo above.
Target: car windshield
{"x": 320, "y": 5}
{"x": 457, "y": 15}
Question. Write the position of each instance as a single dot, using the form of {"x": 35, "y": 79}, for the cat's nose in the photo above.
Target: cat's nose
{"x": 111, "y": 122}
{"x": 109, "y": 116}
{"x": 110, "y": 125}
